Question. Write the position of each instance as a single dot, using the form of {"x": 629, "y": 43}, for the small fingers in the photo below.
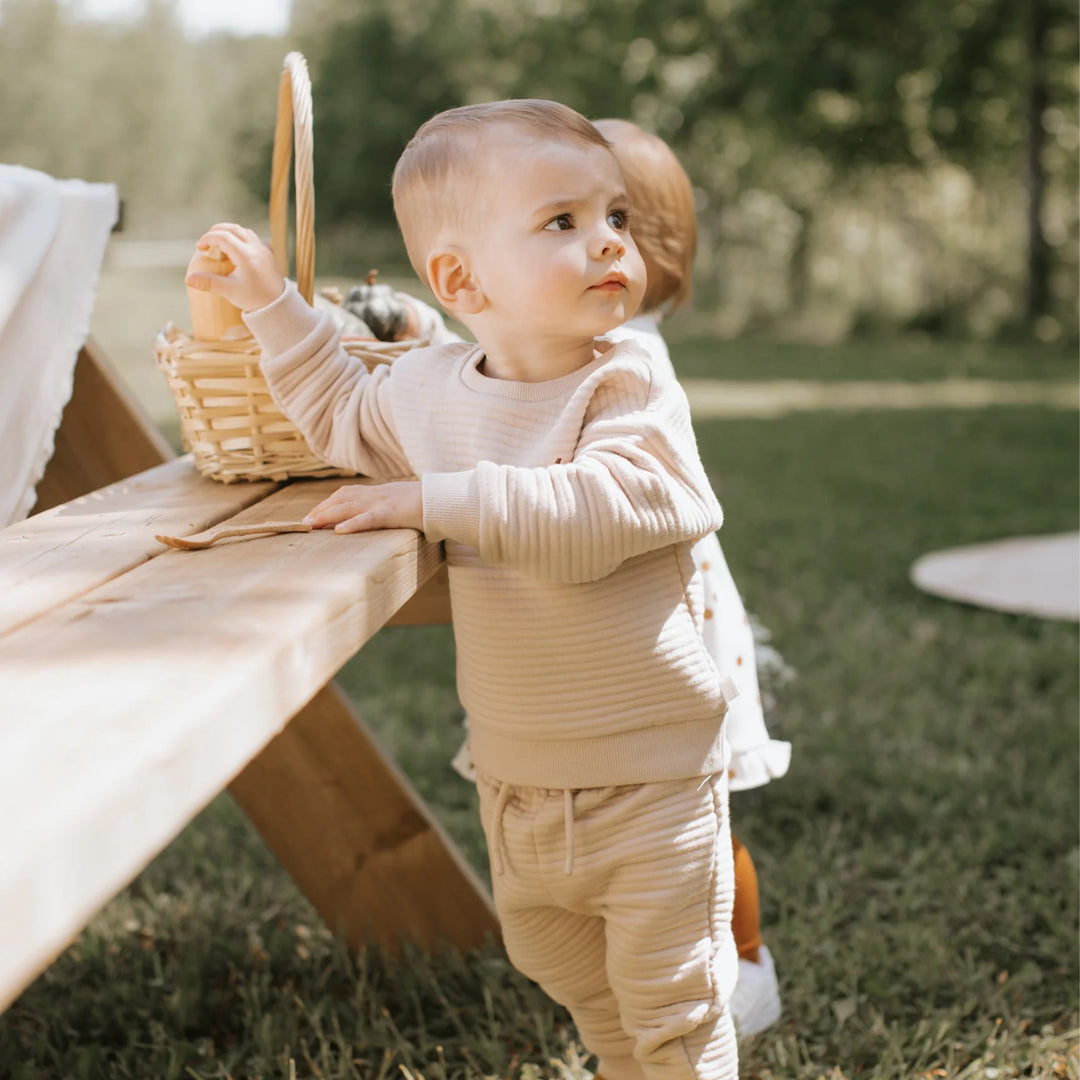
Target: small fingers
{"x": 229, "y": 243}
{"x": 335, "y": 508}
{"x": 235, "y": 241}
{"x": 198, "y": 280}
{"x": 363, "y": 508}
{"x": 363, "y": 522}
{"x": 321, "y": 517}
{"x": 225, "y": 229}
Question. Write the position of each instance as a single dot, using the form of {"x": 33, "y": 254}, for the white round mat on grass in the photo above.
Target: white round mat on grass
{"x": 1027, "y": 575}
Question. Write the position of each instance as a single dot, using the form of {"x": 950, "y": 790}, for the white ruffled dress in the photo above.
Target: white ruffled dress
{"x": 735, "y": 644}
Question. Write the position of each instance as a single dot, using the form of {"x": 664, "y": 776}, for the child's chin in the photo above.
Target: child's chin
{"x": 608, "y": 324}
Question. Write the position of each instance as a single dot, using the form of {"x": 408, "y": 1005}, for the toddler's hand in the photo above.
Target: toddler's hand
{"x": 363, "y": 507}
{"x": 255, "y": 280}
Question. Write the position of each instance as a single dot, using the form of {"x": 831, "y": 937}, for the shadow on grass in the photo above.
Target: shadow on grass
{"x": 918, "y": 865}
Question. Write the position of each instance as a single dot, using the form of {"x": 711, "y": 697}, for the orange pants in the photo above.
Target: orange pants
{"x": 746, "y": 914}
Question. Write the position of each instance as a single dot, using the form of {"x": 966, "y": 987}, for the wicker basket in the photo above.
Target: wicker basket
{"x": 228, "y": 420}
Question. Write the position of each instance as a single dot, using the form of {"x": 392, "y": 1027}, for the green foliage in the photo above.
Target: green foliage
{"x": 866, "y": 164}
{"x": 795, "y": 121}
{"x": 895, "y": 83}
{"x": 134, "y": 104}
{"x": 374, "y": 87}
{"x": 860, "y": 83}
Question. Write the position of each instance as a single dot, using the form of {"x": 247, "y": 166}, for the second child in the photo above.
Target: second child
{"x": 665, "y": 230}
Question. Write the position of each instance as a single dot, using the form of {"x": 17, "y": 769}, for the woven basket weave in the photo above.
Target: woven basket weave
{"x": 228, "y": 420}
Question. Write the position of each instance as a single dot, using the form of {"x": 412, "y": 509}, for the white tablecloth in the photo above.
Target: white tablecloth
{"x": 53, "y": 235}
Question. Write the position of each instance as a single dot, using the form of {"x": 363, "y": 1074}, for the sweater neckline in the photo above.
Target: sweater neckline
{"x": 548, "y": 390}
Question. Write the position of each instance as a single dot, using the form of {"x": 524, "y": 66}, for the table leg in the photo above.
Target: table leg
{"x": 356, "y": 838}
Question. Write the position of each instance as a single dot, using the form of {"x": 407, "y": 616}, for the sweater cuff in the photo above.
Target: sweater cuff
{"x": 284, "y": 322}
{"x": 451, "y": 507}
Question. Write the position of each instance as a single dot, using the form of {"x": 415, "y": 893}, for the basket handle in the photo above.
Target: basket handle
{"x": 294, "y": 122}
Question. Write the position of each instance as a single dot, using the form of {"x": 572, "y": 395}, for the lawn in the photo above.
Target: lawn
{"x": 914, "y": 358}
{"x": 918, "y": 864}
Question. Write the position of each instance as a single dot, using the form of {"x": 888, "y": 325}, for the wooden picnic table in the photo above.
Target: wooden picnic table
{"x": 137, "y": 682}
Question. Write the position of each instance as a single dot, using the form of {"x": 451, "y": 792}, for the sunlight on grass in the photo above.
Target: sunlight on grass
{"x": 918, "y": 865}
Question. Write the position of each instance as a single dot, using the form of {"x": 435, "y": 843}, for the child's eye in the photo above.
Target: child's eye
{"x": 619, "y": 219}
{"x": 560, "y": 223}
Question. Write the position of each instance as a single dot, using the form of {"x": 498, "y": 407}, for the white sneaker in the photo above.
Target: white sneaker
{"x": 755, "y": 1004}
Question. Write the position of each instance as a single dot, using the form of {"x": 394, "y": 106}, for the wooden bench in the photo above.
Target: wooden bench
{"x": 137, "y": 682}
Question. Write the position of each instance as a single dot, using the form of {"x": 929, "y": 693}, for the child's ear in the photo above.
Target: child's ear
{"x": 452, "y": 283}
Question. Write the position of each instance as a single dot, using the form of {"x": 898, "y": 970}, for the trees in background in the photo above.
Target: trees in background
{"x": 928, "y": 145}
{"x": 989, "y": 85}
{"x": 907, "y": 164}
{"x": 169, "y": 121}
{"x": 373, "y": 88}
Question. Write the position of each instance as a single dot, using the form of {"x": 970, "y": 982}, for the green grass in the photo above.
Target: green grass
{"x": 911, "y": 358}
{"x": 918, "y": 864}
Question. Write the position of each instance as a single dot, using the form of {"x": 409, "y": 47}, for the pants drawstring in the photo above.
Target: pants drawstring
{"x": 498, "y": 838}
{"x": 568, "y": 817}
{"x": 498, "y": 841}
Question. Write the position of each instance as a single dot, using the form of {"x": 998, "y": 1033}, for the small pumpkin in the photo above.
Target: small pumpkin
{"x": 378, "y": 306}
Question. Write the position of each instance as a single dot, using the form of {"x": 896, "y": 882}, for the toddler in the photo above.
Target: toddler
{"x": 561, "y": 471}
{"x": 665, "y": 231}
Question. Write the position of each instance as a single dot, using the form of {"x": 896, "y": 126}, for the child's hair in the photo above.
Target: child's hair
{"x": 661, "y": 211}
{"x": 435, "y": 179}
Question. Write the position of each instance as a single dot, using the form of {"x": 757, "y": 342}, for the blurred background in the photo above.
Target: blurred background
{"x": 860, "y": 168}
{"x": 881, "y": 359}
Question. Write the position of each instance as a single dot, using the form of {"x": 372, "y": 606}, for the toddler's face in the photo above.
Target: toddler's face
{"x": 552, "y": 249}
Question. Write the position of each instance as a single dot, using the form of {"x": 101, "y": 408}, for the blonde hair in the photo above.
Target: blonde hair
{"x": 435, "y": 179}
{"x": 661, "y": 211}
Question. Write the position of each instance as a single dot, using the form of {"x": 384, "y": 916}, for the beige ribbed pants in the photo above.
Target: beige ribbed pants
{"x": 617, "y": 901}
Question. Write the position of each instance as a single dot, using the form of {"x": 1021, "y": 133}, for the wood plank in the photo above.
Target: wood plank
{"x": 53, "y": 557}
{"x": 104, "y": 436}
{"x": 431, "y": 604}
{"x": 352, "y": 833}
{"x": 125, "y": 711}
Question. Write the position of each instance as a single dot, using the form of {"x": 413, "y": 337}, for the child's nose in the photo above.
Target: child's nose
{"x": 610, "y": 243}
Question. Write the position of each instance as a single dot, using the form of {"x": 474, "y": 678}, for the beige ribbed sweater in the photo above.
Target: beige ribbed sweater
{"x": 569, "y": 509}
